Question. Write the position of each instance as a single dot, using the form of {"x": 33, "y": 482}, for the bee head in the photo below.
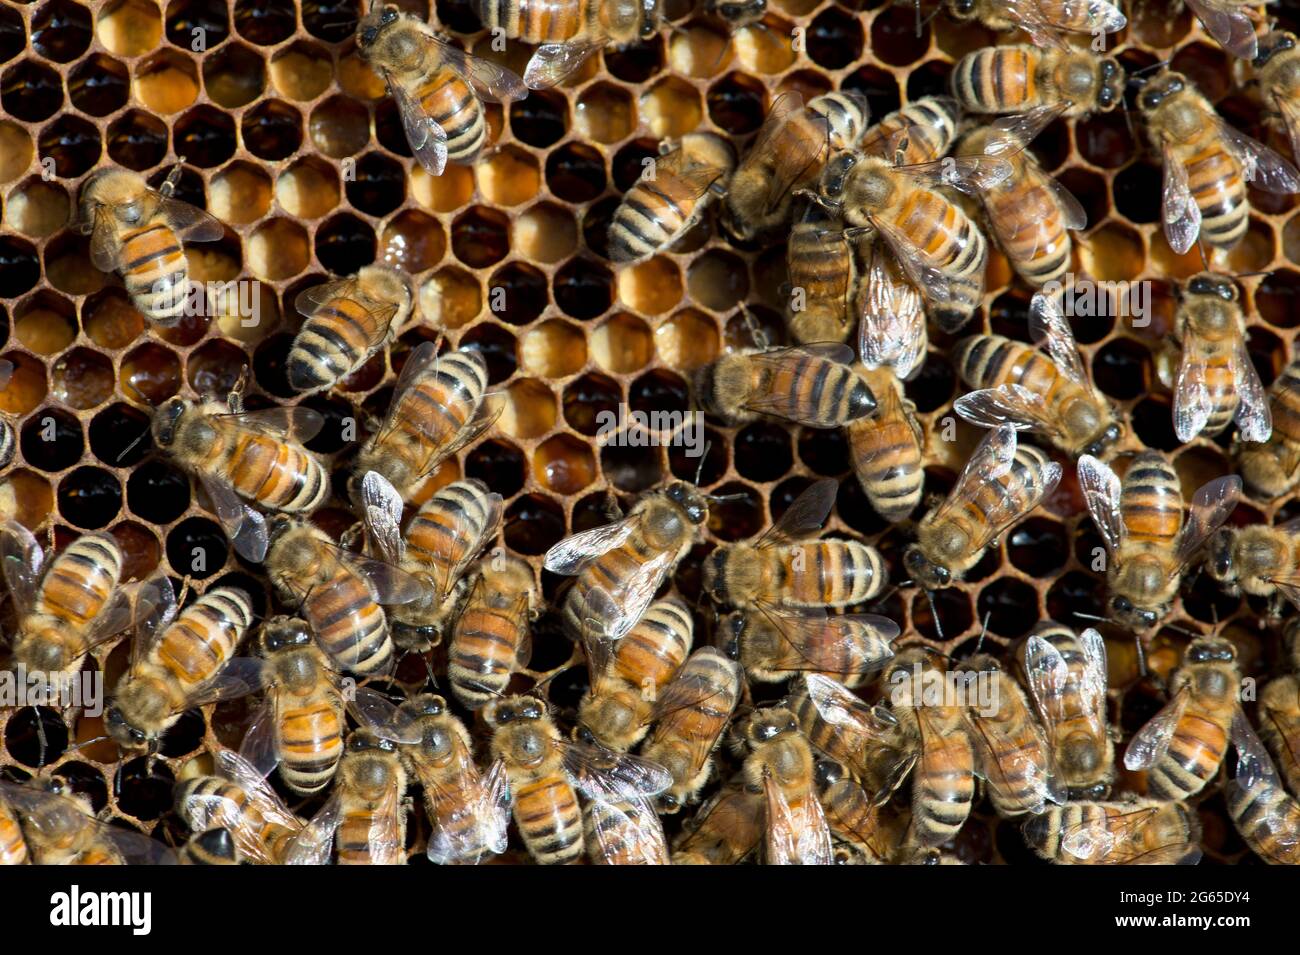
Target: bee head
{"x": 768, "y": 724}
{"x": 1272, "y": 44}
{"x": 366, "y": 741}
{"x": 277, "y": 526}
{"x": 649, "y": 19}
{"x": 427, "y": 704}
{"x": 961, "y": 9}
{"x": 1212, "y": 285}
{"x": 690, "y": 500}
{"x": 1161, "y": 88}
{"x": 370, "y": 26}
{"x": 122, "y": 732}
{"x": 925, "y": 571}
{"x": 1132, "y": 616}
{"x": 1106, "y": 439}
{"x": 739, "y": 12}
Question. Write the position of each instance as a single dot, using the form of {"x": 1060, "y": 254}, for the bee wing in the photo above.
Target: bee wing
{"x": 597, "y": 646}
{"x": 1211, "y": 505}
{"x": 688, "y": 690}
{"x": 805, "y": 515}
{"x": 631, "y": 828}
{"x": 1100, "y": 16}
{"x": 849, "y": 643}
{"x": 156, "y": 608}
{"x": 118, "y": 614}
{"x": 1094, "y": 839}
{"x": 796, "y": 836}
{"x": 837, "y": 705}
{"x": 990, "y": 461}
{"x": 491, "y": 83}
{"x": 1031, "y": 18}
{"x": 1049, "y": 329}
{"x": 794, "y": 159}
{"x": 388, "y": 584}
{"x": 1192, "y": 404}
{"x": 934, "y": 285}
{"x": 105, "y": 250}
{"x": 552, "y": 62}
{"x": 1253, "y": 762}
{"x": 1048, "y": 675}
{"x": 1178, "y": 853}
{"x": 297, "y": 423}
{"x": 427, "y": 139}
{"x": 1007, "y": 759}
{"x": 892, "y": 317}
{"x": 611, "y": 777}
{"x": 372, "y": 709}
{"x": 575, "y": 552}
{"x": 1073, "y": 215}
{"x": 1181, "y": 214}
{"x": 259, "y": 750}
{"x": 310, "y": 301}
{"x": 1290, "y": 110}
{"x": 313, "y": 844}
{"x": 474, "y": 540}
{"x": 383, "y": 516}
{"x": 1229, "y": 25}
{"x": 1012, "y": 406}
{"x": 634, "y": 593}
{"x": 23, "y": 559}
{"x": 968, "y": 174}
{"x": 243, "y": 523}
{"x": 239, "y": 677}
{"x": 252, "y": 781}
{"x": 487, "y": 805}
{"x": 1094, "y": 680}
{"x": 190, "y": 222}
{"x": 1101, "y": 492}
{"x": 135, "y": 848}
{"x": 1254, "y": 417}
{"x": 1152, "y": 740}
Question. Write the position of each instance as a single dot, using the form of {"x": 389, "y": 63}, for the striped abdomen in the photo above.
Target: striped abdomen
{"x": 202, "y": 640}
{"x": 8, "y": 443}
{"x": 930, "y": 125}
{"x": 309, "y": 738}
{"x": 845, "y": 115}
{"x": 1151, "y": 500}
{"x": 1018, "y": 783}
{"x": 1195, "y": 754}
{"x": 949, "y": 242}
{"x": 1071, "y": 723}
{"x": 353, "y": 839}
{"x": 820, "y": 264}
{"x": 887, "y": 454}
{"x": 210, "y": 801}
{"x": 348, "y": 623}
{"x": 654, "y": 214}
{"x": 156, "y": 272}
{"x": 546, "y": 812}
{"x": 1029, "y": 223}
{"x": 991, "y": 361}
{"x": 943, "y": 784}
{"x": 81, "y": 581}
{"x": 806, "y": 388}
{"x": 427, "y": 416}
{"x": 1284, "y": 403}
{"x": 605, "y": 573}
{"x": 535, "y": 21}
{"x": 1216, "y": 370}
{"x": 214, "y": 847}
{"x": 853, "y": 818}
{"x": 687, "y": 736}
{"x": 276, "y": 473}
{"x": 449, "y": 101}
{"x": 828, "y": 573}
{"x": 1279, "y": 726}
{"x": 998, "y": 79}
{"x": 1022, "y": 482}
{"x": 625, "y": 834}
{"x": 655, "y": 649}
{"x": 447, "y": 530}
{"x": 1268, "y": 820}
{"x": 489, "y": 642}
{"x": 1217, "y": 188}
{"x": 334, "y": 342}
{"x": 13, "y": 848}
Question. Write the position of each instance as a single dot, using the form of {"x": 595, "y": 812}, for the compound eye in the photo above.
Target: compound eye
{"x": 1122, "y": 604}
{"x": 368, "y": 35}
{"x": 1197, "y": 655}
{"x": 389, "y": 15}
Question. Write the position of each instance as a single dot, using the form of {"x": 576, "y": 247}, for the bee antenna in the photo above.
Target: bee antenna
{"x": 1246, "y": 275}
{"x": 1148, "y": 69}
{"x": 1141, "y": 656}
{"x": 127, "y": 450}
{"x": 699, "y": 468}
{"x": 984, "y": 630}
{"x": 1091, "y": 616}
{"x": 755, "y": 332}
{"x": 1205, "y": 259}
{"x": 934, "y": 612}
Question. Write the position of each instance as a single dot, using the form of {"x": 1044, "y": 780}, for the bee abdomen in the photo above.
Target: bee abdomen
{"x": 1151, "y": 499}
{"x": 1220, "y": 194}
{"x": 350, "y": 625}
{"x": 1192, "y": 760}
{"x": 549, "y": 821}
{"x": 156, "y": 273}
{"x": 996, "y": 80}
{"x": 452, "y": 105}
{"x": 647, "y": 220}
{"x": 277, "y": 474}
{"x": 331, "y": 345}
{"x": 310, "y": 744}
{"x": 81, "y": 580}
{"x": 484, "y": 653}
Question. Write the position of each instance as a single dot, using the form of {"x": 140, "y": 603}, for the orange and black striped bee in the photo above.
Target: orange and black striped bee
{"x": 1043, "y": 20}
{"x": 1049, "y": 394}
{"x": 180, "y": 661}
{"x": 348, "y": 320}
{"x": 780, "y": 764}
{"x": 366, "y": 815}
{"x": 887, "y": 449}
{"x": 1129, "y": 832}
{"x": 1279, "y": 712}
{"x": 872, "y": 830}
{"x": 1148, "y": 542}
{"x": 439, "y": 90}
{"x": 1272, "y": 469}
{"x": 213, "y": 847}
{"x": 59, "y": 827}
{"x": 774, "y": 644}
{"x": 1183, "y": 746}
{"x": 140, "y": 232}
{"x": 822, "y": 265}
{"x": 254, "y": 455}
{"x": 1267, "y": 818}
{"x": 1207, "y": 165}
{"x": 812, "y": 385}
{"x": 1017, "y": 79}
{"x": 1001, "y": 483}
{"x": 664, "y": 204}
{"x": 724, "y": 831}
{"x": 1277, "y": 66}
{"x": 627, "y": 832}
{"x": 1257, "y": 559}
{"x": 438, "y": 407}
{"x": 490, "y": 640}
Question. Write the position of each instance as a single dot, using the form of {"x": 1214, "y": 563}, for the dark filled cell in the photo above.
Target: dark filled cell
{"x": 1122, "y": 368}
{"x": 30, "y": 91}
{"x": 99, "y": 85}
{"x": 855, "y": 509}
{"x": 480, "y": 237}
{"x": 265, "y": 22}
{"x": 1038, "y": 546}
{"x": 197, "y": 547}
{"x": 1104, "y": 139}
{"x": 595, "y": 224}
{"x": 1009, "y": 316}
{"x": 834, "y": 38}
{"x": 187, "y": 20}
{"x": 734, "y": 520}
{"x": 143, "y": 787}
{"x": 629, "y": 163}
{"x": 928, "y": 79}
{"x": 460, "y": 16}
{"x": 1137, "y": 192}
{"x": 893, "y": 36}
{"x": 586, "y": 398}
{"x": 631, "y": 468}
{"x": 540, "y": 119}
{"x": 269, "y": 365}
{"x": 74, "y": 145}
{"x": 954, "y": 612}
{"x": 157, "y": 492}
{"x": 736, "y": 104}
{"x": 1010, "y": 606}
{"x": 388, "y": 128}
{"x": 575, "y": 172}
{"x": 119, "y": 435}
{"x": 89, "y": 498}
{"x": 25, "y": 730}
{"x": 824, "y": 450}
{"x": 205, "y": 136}
{"x": 333, "y": 21}
{"x": 533, "y": 524}
{"x": 933, "y": 386}
{"x": 1090, "y": 189}
{"x": 583, "y": 289}
{"x": 1075, "y": 593}
{"x": 61, "y": 30}
{"x": 497, "y": 346}
{"x": 659, "y": 391}
{"x": 88, "y": 781}
{"x": 879, "y": 87}
{"x": 1278, "y": 298}
{"x": 523, "y": 293}
{"x": 703, "y": 465}
{"x": 345, "y": 243}
{"x": 19, "y": 266}
{"x": 337, "y": 413}
{"x": 272, "y": 130}
{"x": 138, "y": 141}
{"x": 1153, "y": 424}
{"x": 185, "y": 736}
{"x": 379, "y": 186}
{"x": 498, "y": 464}
{"x": 13, "y": 37}
{"x": 636, "y": 62}
{"x": 763, "y": 452}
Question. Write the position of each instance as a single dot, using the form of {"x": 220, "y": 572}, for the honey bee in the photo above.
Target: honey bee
{"x": 853, "y": 817}
{"x": 943, "y": 782}
{"x": 490, "y": 641}
{"x": 689, "y": 717}
{"x": 660, "y": 208}
{"x": 625, "y": 833}
{"x": 620, "y": 566}
{"x": 348, "y": 320}
{"x": 869, "y": 741}
{"x": 437, "y": 548}
{"x": 1043, "y": 20}
{"x": 887, "y": 449}
{"x": 780, "y": 765}
{"x": 1216, "y": 381}
{"x": 300, "y": 728}
{"x": 1183, "y": 745}
{"x": 627, "y": 675}
{"x": 59, "y": 827}
{"x": 822, "y": 268}
{"x": 1067, "y": 678}
{"x": 941, "y": 251}
{"x": 1014, "y": 753}
{"x": 1259, "y": 560}
{"x": 468, "y": 810}
{"x": 1207, "y": 164}
{"x": 439, "y": 90}
{"x": 1272, "y": 469}
{"x": 239, "y": 801}
{"x": 140, "y": 232}
{"x": 929, "y": 125}
{"x": 254, "y": 455}
{"x": 1267, "y": 819}
{"x": 1049, "y": 394}
{"x": 812, "y": 385}
{"x": 1148, "y": 542}
{"x": 725, "y": 830}
{"x": 366, "y": 815}
{"x": 778, "y": 571}
{"x": 1002, "y": 482}
{"x": 338, "y": 593}
{"x": 568, "y": 33}
{"x": 1277, "y": 66}
{"x": 545, "y": 769}
{"x": 789, "y": 154}
{"x": 213, "y": 847}
{"x": 773, "y": 645}
{"x": 1030, "y": 214}
{"x": 892, "y": 331}
{"x": 1131, "y": 832}
{"x": 180, "y": 661}
{"x": 1279, "y": 712}
{"x": 67, "y": 605}
{"x": 438, "y": 407}
{"x": 1016, "y": 79}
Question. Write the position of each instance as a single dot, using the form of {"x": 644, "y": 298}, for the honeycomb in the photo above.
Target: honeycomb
{"x": 293, "y": 143}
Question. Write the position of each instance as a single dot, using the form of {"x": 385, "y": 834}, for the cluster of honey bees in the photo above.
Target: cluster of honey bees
{"x": 777, "y": 719}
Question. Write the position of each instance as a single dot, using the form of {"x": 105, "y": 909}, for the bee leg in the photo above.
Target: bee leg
{"x": 169, "y": 184}
{"x": 613, "y": 510}
{"x": 235, "y": 400}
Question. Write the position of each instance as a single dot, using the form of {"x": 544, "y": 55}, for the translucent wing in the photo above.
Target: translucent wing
{"x": 688, "y": 690}
{"x": 462, "y": 546}
{"x": 1014, "y": 767}
{"x": 382, "y": 507}
{"x": 372, "y": 709}
{"x": 572, "y": 554}
{"x": 1290, "y": 110}
{"x": 295, "y": 423}
{"x": 259, "y": 748}
{"x": 864, "y": 729}
{"x": 785, "y": 403}
{"x": 491, "y": 83}
{"x": 1229, "y": 25}
{"x": 611, "y": 777}
{"x": 155, "y": 611}
{"x": 1192, "y": 403}
{"x": 796, "y": 835}
{"x": 1050, "y": 330}
{"x": 968, "y": 174}
{"x": 1011, "y": 405}
{"x": 1151, "y": 743}
{"x": 243, "y": 523}
{"x": 488, "y": 806}
{"x": 385, "y": 826}
{"x": 313, "y": 844}
{"x": 1263, "y": 168}
{"x": 118, "y": 614}
{"x": 105, "y": 250}
{"x": 795, "y": 158}
{"x": 237, "y": 769}
{"x": 847, "y": 643}
{"x": 23, "y": 559}
{"x": 628, "y": 833}
{"x": 190, "y": 222}
{"x": 428, "y": 140}
{"x": 55, "y": 816}
{"x": 389, "y": 584}
{"x": 1253, "y": 762}
{"x": 1254, "y": 417}
{"x": 1181, "y": 214}
{"x": 320, "y": 297}
{"x": 597, "y": 646}
{"x": 1093, "y": 680}
{"x": 805, "y": 515}
{"x": 1101, "y": 492}
{"x": 1082, "y": 16}
{"x": 892, "y": 319}
{"x": 935, "y": 286}
{"x": 552, "y": 62}
{"x": 1048, "y": 675}
{"x": 1211, "y": 505}
{"x": 1095, "y": 838}
{"x": 990, "y": 462}
{"x": 238, "y": 678}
